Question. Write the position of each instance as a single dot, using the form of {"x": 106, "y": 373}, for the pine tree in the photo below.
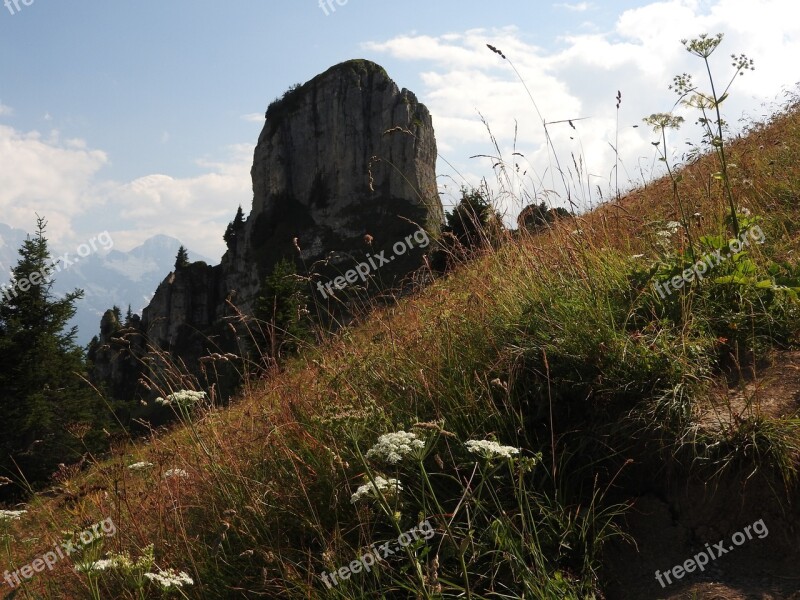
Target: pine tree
{"x": 41, "y": 394}
{"x": 182, "y": 259}
{"x": 234, "y": 230}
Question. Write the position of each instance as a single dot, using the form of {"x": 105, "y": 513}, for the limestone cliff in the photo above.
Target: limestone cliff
{"x": 346, "y": 154}
{"x": 344, "y": 167}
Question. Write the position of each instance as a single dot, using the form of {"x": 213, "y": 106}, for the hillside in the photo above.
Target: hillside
{"x": 621, "y": 432}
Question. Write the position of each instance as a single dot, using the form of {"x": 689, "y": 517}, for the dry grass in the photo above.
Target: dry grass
{"x": 272, "y": 469}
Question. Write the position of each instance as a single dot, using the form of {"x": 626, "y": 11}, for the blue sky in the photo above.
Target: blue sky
{"x": 141, "y": 118}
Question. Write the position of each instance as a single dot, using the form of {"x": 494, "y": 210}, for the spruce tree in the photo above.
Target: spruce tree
{"x": 234, "y": 230}
{"x": 43, "y": 401}
{"x": 182, "y": 259}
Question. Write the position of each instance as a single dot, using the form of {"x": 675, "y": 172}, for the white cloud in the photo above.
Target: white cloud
{"x": 579, "y": 7}
{"x": 5, "y": 111}
{"x": 580, "y": 78}
{"x": 253, "y": 117}
{"x": 45, "y": 175}
{"x": 60, "y": 181}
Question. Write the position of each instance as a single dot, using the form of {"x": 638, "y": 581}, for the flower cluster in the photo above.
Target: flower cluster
{"x": 175, "y": 473}
{"x": 661, "y": 121}
{"x": 184, "y": 398}
{"x": 11, "y": 515}
{"x": 392, "y": 447}
{"x": 138, "y": 466}
{"x": 170, "y": 578}
{"x": 119, "y": 561}
{"x": 669, "y": 229}
{"x": 490, "y": 449}
{"x": 381, "y": 486}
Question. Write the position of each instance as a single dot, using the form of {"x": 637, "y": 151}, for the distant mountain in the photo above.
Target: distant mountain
{"x": 116, "y": 278}
{"x": 10, "y": 241}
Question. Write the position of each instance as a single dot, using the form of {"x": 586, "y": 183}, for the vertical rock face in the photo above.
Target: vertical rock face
{"x": 344, "y": 167}
{"x": 186, "y": 297}
{"x": 345, "y": 155}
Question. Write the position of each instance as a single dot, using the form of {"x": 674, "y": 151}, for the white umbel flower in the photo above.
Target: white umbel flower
{"x": 138, "y": 466}
{"x": 11, "y": 515}
{"x": 490, "y": 449}
{"x": 170, "y": 578}
{"x": 118, "y": 561}
{"x": 392, "y": 447}
{"x": 175, "y": 473}
{"x": 382, "y": 485}
{"x": 184, "y": 398}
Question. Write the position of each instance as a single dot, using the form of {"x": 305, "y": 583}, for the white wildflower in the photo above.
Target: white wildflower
{"x": 140, "y": 465}
{"x": 670, "y": 229}
{"x": 115, "y": 561}
{"x": 170, "y": 578}
{"x": 490, "y": 449}
{"x": 146, "y": 560}
{"x": 11, "y": 515}
{"x": 184, "y": 398}
{"x": 175, "y": 473}
{"x": 384, "y": 486}
{"x": 744, "y": 211}
{"x": 392, "y": 447}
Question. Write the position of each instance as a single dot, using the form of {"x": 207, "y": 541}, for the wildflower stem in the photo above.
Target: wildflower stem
{"x": 384, "y": 504}
{"x": 440, "y": 511}
{"x": 721, "y": 151}
{"x": 676, "y": 194}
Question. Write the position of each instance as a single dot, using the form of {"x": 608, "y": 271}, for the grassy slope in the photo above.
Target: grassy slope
{"x": 545, "y": 345}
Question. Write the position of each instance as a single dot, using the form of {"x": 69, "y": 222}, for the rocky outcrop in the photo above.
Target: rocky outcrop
{"x": 343, "y": 172}
{"x": 343, "y": 156}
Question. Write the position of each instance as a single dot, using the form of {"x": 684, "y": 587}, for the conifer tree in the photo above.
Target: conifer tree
{"x": 43, "y": 401}
{"x": 234, "y": 230}
{"x": 182, "y": 259}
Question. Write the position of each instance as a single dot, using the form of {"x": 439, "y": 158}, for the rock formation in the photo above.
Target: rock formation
{"x": 344, "y": 169}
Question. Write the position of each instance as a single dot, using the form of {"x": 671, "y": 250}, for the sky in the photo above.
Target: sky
{"x": 140, "y": 118}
